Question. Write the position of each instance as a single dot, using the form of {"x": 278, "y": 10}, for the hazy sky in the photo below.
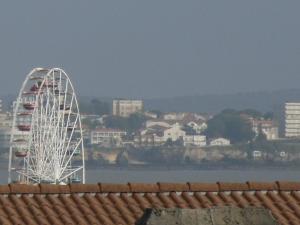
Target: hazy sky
{"x": 154, "y": 48}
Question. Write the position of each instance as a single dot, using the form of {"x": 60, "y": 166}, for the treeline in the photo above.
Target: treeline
{"x": 231, "y": 124}
{"x": 95, "y": 107}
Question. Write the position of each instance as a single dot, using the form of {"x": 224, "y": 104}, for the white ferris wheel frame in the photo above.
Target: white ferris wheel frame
{"x": 49, "y": 157}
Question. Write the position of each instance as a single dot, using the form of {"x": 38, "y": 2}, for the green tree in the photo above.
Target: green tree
{"x": 95, "y": 106}
{"x": 116, "y": 122}
{"x": 268, "y": 116}
{"x": 188, "y": 130}
{"x": 130, "y": 124}
{"x": 100, "y": 107}
{"x": 136, "y": 121}
{"x": 229, "y": 124}
{"x": 169, "y": 143}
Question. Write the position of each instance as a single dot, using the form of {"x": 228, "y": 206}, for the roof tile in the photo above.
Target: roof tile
{"x": 168, "y": 187}
{"x": 142, "y": 187}
{"x": 54, "y": 189}
{"x": 4, "y": 189}
{"x": 114, "y": 188}
{"x": 125, "y": 203}
{"x": 260, "y": 186}
{"x": 212, "y": 187}
{"x": 84, "y": 188}
{"x": 288, "y": 186}
{"x": 24, "y": 189}
{"x": 232, "y": 186}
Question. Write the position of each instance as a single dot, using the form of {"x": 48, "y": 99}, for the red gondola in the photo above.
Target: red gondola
{"x": 24, "y": 127}
{"x": 20, "y": 153}
{"x": 34, "y": 88}
{"x": 29, "y": 106}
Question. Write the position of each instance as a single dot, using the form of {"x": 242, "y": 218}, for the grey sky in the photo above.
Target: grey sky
{"x": 154, "y": 48}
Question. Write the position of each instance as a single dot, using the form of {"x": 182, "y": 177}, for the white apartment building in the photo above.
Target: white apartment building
{"x": 194, "y": 140}
{"x": 107, "y": 136}
{"x": 292, "y": 119}
{"x": 125, "y": 108}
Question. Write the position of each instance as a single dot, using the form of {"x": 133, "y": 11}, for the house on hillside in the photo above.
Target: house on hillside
{"x": 194, "y": 140}
{"x": 268, "y": 127}
{"x": 107, "y": 137}
{"x": 174, "y": 133}
{"x": 219, "y": 142}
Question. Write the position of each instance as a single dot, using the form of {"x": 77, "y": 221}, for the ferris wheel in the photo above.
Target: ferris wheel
{"x": 46, "y": 139}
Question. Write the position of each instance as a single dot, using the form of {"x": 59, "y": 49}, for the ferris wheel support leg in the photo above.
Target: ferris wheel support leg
{"x": 9, "y": 166}
{"x": 83, "y": 169}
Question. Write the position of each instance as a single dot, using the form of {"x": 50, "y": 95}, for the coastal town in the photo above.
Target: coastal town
{"x": 123, "y": 131}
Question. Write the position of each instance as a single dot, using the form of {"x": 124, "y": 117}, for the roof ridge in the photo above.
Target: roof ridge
{"x": 132, "y": 187}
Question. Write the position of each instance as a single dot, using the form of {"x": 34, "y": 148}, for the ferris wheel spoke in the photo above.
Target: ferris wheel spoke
{"x": 71, "y": 155}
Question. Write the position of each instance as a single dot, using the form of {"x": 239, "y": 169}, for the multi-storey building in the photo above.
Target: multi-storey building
{"x": 268, "y": 127}
{"x": 194, "y": 140}
{"x": 125, "y": 108}
{"x": 106, "y": 136}
{"x": 292, "y": 119}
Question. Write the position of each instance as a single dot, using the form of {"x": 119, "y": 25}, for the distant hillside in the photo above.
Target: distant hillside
{"x": 262, "y": 101}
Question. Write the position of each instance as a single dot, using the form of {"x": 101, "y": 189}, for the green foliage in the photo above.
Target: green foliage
{"x": 177, "y": 143}
{"x": 268, "y": 116}
{"x": 90, "y": 123}
{"x": 189, "y": 130}
{"x": 169, "y": 143}
{"x": 130, "y": 124}
{"x": 95, "y": 106}
{"x": 135, "y": 121}
{"x": 229, "y": 124}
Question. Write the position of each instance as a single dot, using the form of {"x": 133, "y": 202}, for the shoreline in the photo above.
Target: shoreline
{"x": 193, "y": 168}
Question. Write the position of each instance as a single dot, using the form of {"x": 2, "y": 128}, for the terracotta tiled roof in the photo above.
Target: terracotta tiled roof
{"x": 125, "y": 203}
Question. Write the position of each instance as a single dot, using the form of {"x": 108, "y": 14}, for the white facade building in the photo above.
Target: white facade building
{"x": 292, "y": 119}
{"x": 268, "y": 127}
{"x": 107, "y": 136}
{"x": 194, "y": 140}
{"x": 220, "y": 142}
{"x": 125, "y": 108}
{"x": 174, "y": 133}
